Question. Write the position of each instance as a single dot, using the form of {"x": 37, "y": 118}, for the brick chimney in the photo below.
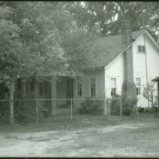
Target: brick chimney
{"x": 129, "y": 87}
{"x": 126, "y": 32}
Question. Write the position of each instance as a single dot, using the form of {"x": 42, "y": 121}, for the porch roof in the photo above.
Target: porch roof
{"x": 64, "y": 73}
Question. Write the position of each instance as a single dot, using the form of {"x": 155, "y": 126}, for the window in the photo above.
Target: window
{"x": 141, "y": 48}
{"x": 113, "y": 87}
{"x": 93, "y": 87}
{"x": 138, "y": 86}
{"x": 79, "y": 89}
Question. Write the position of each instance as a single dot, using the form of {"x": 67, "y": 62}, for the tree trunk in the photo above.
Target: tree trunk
{"x": 136, "y": 110}
{"x": 11, "y": 102}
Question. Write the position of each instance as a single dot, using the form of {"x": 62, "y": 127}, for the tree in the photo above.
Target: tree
{"x": 148, "y": 93}
{"x": 28, "y": 48}
{"x": 94, "y": 15}
{"x": 75, "y": 45}
{"x": 107, "y": 17}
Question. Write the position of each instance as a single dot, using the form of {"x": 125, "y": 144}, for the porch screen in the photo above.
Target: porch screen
{"x": 93, "y": 87}
{"x": 79, "y": 89}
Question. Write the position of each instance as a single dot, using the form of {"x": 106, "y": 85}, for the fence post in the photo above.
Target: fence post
{"x": 105, "y": 106}
{"x": 71, "y": 109}
{"x": 121, "y": 108}
{"x": 108, "y": 109}
{"x": 37, "y": 112}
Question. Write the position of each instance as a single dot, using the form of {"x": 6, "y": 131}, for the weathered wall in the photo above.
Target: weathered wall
{"x": 114, "y": 70}
{"x": 152, "y": 58}
{"x": 99, "y": 76}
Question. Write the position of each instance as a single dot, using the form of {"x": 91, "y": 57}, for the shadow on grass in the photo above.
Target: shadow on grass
{"x": 78, "y": 122}
{"x": 59, "y": 123}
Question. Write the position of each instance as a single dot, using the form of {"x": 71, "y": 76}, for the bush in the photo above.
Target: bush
{"x": 90, "y": 106}
{"x": 128, "y": 104}
{"x": 45, "y": 110}
{"x": 25, "y": 110}
{"x": 4, "y": 111}
{"x": 115, "y": 106}
{"x": 4, "y": 105}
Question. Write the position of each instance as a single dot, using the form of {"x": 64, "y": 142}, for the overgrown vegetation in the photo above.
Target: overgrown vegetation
{"x": 52, "y": 37}
{"x": 25, "y": 110}
{"x": 148, "y": 93}
{"x": 115, "y": 105}
{"x": 90, "y": 106}
{"x": 123, "y": 101}
{"x": 129, "y": 104}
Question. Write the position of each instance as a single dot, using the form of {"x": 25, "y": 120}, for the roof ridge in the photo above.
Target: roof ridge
{"x": 108, "y": 36}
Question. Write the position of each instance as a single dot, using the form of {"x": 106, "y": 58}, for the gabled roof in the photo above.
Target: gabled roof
{"x": 103, "y": 50}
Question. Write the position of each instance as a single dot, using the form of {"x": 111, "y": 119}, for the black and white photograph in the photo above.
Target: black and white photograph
{"x": 79, "y": 79}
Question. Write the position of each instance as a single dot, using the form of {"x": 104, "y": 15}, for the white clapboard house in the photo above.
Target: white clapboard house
{"x": 130, "y": 55}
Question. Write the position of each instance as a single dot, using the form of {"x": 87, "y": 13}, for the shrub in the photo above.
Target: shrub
{"x": 115, "y": 105}
{"x": 128, "y": 104}
{"x": 4, "y": 111}
{"x": 4, "y": 105}
{"x": 45, "y": 111}
{"x": 90, "y": 106}
{"x": 25, "y": 110}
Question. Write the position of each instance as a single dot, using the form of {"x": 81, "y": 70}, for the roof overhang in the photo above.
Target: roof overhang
{"x": 94, "y": 68}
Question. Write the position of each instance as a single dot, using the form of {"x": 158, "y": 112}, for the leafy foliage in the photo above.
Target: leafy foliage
{"x": 25, "y": 110}
{"x": 128, "y": 104}
{"x": 107, "y": 17}
{"x": 90, "y": 106}
{"x": 148, "y": 93}
{"x": 115, "y": 105}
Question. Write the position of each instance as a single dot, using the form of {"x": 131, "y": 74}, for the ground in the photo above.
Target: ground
{"x": 86, "y": 137}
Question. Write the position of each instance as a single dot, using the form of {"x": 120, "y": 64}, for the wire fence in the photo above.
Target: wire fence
{"x": 37, "y": 110}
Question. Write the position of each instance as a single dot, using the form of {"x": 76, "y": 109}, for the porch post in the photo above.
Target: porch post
{"x": 53, "y": 93}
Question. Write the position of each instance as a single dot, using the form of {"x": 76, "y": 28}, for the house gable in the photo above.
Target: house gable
{"x": 146, "y": 64}
{"x": 102, "y": 51}
{"x": 151, "y": 39}
{"x": 114, "y": 70}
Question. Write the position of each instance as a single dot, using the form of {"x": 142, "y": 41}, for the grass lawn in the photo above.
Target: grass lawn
{"x": 84, "y": 136}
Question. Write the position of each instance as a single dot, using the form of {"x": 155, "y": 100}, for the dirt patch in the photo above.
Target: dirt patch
{"x": 127, "y": 139}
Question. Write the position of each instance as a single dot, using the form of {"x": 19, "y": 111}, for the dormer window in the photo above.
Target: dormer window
{"x": 141, "y": 49}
